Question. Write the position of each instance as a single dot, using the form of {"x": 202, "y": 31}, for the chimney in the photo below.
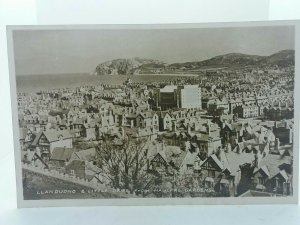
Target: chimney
{"x": 121, "y": 130}
{"x": 255, "y": 162}
{"x": 277, "y": 144}
{"x": 208, "y": 128}
{"x": 174, "y": 126}
{"x": 188, "y": 128}
{"x": 131, "y": 123}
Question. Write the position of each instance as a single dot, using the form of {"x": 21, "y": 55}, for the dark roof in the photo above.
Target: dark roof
{"x": 62, "y": 154}
{"x": 76, "y": 164}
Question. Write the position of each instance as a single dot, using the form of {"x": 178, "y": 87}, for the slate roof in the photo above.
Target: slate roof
{"x": 87, "y": 154}
{"x": 53, "y": 135}
{"x": 61, "y": 154}
{"x": 272, "y": 162}
{"x": 235, "y": 160}
{"x": 75, "y": 164}
{"x": 264, "y": 169}
{"x": 189, "y": 158}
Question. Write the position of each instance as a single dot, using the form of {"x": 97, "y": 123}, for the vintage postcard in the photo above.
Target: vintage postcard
{"x": 155, "y": 114}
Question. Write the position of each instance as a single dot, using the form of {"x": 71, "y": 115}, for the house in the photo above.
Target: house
{"x": 284, "y": 131}
{"x": 216, "y": 176}
{"x": 60, "y": 156}
{"x": 77, "y": 127}
{"x": 31, "y": 158}
{"x": 246, "y": 111}
{"x": 190, "y": 162}
{"x": 273, "y": 174}
{"x": 131, "y": 120}
{"x": 76, "y": 168}
{"x": 219, "y": 103}
{"x": 235, "y": 162}
{"x": 46, "y": 141}
{"x": 233, "y": 103}
{"x": 163, "y": 158}
{"x": 147, "y": 119}
{"x": 209, "y": 140}
{"x": 26, "y": 137}
{"x": 90, "y": 132}
{"x": 227, "y": 133}
{"x": 279, "y": 113}
{"x": 165, "y": 121}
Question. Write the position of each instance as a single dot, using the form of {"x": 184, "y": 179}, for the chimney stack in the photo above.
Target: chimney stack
{"x": 188, "y": 128}
{"x": 277, "y": 144}
{"x": 174, "y": 126}
{"x": 255, "y": 162}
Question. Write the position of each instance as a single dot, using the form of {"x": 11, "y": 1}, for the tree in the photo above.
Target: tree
{"x": 124, "y": 163}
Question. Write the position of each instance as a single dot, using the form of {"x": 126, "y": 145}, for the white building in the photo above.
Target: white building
{"x": 185, "y": 96}
{"x": 190, "y": 96}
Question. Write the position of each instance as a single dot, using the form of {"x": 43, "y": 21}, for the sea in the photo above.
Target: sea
{"x": 34, "y": 83}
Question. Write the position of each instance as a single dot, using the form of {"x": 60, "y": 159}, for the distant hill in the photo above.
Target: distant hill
{"x": 150, "y": 66}
{"x": 282, "y": 58}
{"x": 128, "y": 66}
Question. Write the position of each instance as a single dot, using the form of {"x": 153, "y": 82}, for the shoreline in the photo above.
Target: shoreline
{"x": 33, "y": 83}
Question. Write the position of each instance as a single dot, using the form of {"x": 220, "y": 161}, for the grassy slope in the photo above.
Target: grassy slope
{"x": 37, "y": 183}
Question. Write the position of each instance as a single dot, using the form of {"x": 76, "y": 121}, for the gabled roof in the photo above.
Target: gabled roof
{"x": 216, "y": 160}
{"x": 264, "y": 169}
{"x": 284, "y": 174}
{"x": 53, "y": 135}
{"x": 146, "y": 115}
{"x": 163, "y": 114}
{"x": 235, "y": 160}
{"x": 273, "y": 162}
{"x": 189, "y": 158}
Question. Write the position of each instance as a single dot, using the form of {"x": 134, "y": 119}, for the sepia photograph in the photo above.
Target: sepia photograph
{"x": 155, "y": 114}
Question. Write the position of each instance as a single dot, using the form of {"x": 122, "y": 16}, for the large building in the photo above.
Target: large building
{"x": 167, "y": 97}
{"x": 186, "y": 97}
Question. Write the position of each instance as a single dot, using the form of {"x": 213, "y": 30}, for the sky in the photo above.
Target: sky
{"x": 80, "y": 51}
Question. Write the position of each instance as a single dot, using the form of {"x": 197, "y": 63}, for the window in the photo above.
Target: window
{"x": 261, "y": 180}
{"x": 211, "y": 173}
{"x": 72, "y": 172}
{"x": 209, "y": 184}
{"x": 189, "y": 167}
